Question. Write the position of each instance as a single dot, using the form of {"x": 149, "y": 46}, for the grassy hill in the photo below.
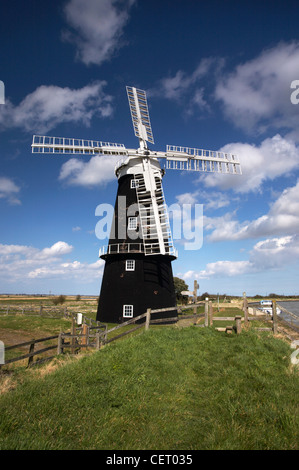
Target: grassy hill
{"x": 167, "y": 388}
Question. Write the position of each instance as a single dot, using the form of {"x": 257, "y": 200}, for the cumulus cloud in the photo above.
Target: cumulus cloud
{"x": 96, "y": 28}
{"x": 34, "y": 254}
{"x": 84, "y": 271}
{"x": 269, "y": 254}
{"x": 9, "y": 190}
{"x": 274, "y": 157}
{"x": 48, "y": 106}
{"x": 211, "y": 199}
{"x": 98, "y": 170}
{"x": 274, "y": 253}
{"x": 219, "y": 269}
{"x": 56, "y": 250}
{"x": 282, "y": 219}
{"x": 256, "y": 95}
{"x": 21, "y": 263}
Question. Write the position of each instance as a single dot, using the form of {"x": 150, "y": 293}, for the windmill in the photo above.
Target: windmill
{"x": 138, "y": 272}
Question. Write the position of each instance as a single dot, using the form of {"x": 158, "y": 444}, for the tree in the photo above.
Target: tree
{"x": 204, "y": 295}
{"x": 179, "y": 286}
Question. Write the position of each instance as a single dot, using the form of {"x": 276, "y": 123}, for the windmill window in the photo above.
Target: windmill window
{"x": 132, "y": 224}
{"x": 130, "y": 265}
{"x": 128, "y": 311}
{"x": 134, "y": 184}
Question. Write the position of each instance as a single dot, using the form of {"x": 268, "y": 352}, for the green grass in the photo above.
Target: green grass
{"x": 167, "y": 388}
{"x": 34, "y": 324}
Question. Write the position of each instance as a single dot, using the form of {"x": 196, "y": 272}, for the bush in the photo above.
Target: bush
{"x": 59, "y": 300}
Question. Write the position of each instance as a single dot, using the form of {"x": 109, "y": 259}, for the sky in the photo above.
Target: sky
{"x": 218, "y": 75}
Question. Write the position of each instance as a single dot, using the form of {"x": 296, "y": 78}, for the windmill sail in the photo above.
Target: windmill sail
{"x": 140, "y": 115}
{"x": 193, "y": 159}
{"x": 64, "y": 145}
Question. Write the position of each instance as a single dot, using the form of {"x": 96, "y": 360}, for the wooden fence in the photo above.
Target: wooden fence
{"x": 32, "y": 351}
{"x": 34, "y": 310}
{"x": 92, "y": 334}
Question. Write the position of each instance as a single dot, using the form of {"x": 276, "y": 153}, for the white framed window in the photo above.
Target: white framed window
{"x": 130, "y": 265}
{"x": 134, "y": 184}
{"x": 132, "y": 223}
{"x": 127, "y": 311}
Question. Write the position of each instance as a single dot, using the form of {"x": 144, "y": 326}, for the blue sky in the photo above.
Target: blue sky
{"x": 218, "y": 76}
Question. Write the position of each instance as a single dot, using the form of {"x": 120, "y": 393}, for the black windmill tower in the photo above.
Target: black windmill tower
{"x": 138, "y": 272}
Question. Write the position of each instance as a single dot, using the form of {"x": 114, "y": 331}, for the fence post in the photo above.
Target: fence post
{"x": 245, "y": 309}
{"x": 41, "y": 310}
{"x": 73, "y": 332}
{"x": 105, "y": 334}
{"x": 238, "y": 324}
{"x": 206, "y": 311}
{"x": 274, "y": 316}
{"x": 211, "y": 313}
{"x": 85, "y": 334}
{"x": 31, "y": 350}
{"x": 98, "y": 344}
{"x": 59, "y": 345}
{"x": 148, "y": 318}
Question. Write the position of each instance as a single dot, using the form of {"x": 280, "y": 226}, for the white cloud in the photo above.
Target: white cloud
{"x": 96, "y": 28}
{"x": 274, "y": 157}
{"x": 76, "y": 270}
{"x": 219, "y": 269}
{"x": 9, "y": 190}
{"x": 282, "y": 219}
{"x": 266, "y": 255}
{"x": 223, "y": 227}
{"x": 15, "y": 249}
{"x": 226, "y": 268}
{"x": 19, "y": 263}
{"x": 58, "y": 249}
{"x": 210, "y": 199}
{"x": 189, "y": 89}
{"x": 256, "y": 95}
{"x": 48, "y": 106}
{"x": 98, "y": 170}
{"x": 274, "y": 253}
